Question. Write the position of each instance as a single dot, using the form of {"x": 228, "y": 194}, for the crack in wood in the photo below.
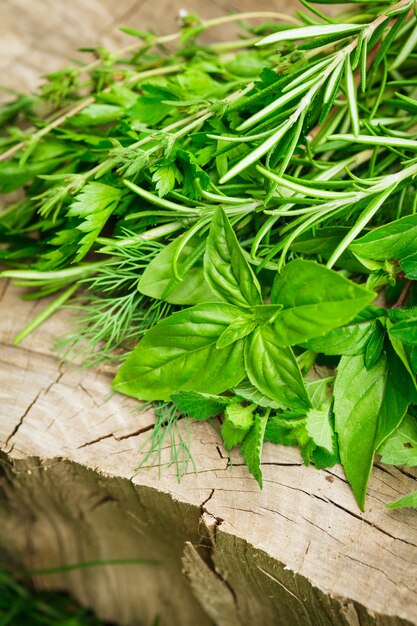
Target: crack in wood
{"x": 40, "y": 393}
{"x": 136, "y": 433}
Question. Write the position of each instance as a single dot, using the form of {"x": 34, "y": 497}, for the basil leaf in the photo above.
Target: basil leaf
{"x": 348, "y": 340}
{"x": 158, "y": 280}
{"x": 404, "y": 356}
{"x": 226, "y": 269}
{"x": 409, "y": 266}
{"x": 180, "y": 354}
{"x": 374, "y": 346}
{"x": 238, "y": 329}
{"x": 410, "y": 500}
{"x": 315, "y": 300}
{"x": 274, "y": 370}
{"x": 199, "y": 406}
{"x": 369, "y": 405}
{"x": 395, "y": 240}
{"x": 405, "y": 331}
{"x": 251, "y": 449}
{"x": 401, "y": 447}
{"x": 266, "y": 313}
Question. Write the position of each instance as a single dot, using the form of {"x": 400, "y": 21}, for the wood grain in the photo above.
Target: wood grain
{"x": 297, "y": 553}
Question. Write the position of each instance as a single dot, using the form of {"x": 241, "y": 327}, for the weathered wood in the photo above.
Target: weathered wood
{"x": 297, "y": 553}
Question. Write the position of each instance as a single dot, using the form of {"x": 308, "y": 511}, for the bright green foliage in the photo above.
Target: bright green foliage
{"x": 237, "y": 423}
{"x": 199, "y": 406}
{"x": 315, "y": 300}
{"x": 366, "y": 414}
{"x": 401, "y": 447}
{"x": 227, "y": 271}
{"x": 172, "y": 356}
{"x": 410, "y": 500}
{"x": 252, "y": 447}
{"x": 274, "y": 370}
{"x": 319, "y": 427}
{"x": 225, "y": 215}
{"x": 93, "y": 206}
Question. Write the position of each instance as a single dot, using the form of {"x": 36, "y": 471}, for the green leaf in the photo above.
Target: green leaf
{"x": 232, "y": 436}
{"x": 369, "y": 405}
{"x": 290, "y": 430}
{"x": 238, "y": 329}
{"x": 93, "y": 206}
{"x": 97, "y": 114}
{"x": 410, "y": 500}
{"x": 351, "y": 339}
{"x": 374, "y": 346}
{"x": 308, "y": 32}
{"x": 395, "y": 240}
{"x": 240, "y": 416}
{"x": 319, "y": 428}
{"x": 180, "y": 354}
{"x": 405, "y": 331}
{"x": 315, "y": 300}
{"x": 165, "y": 177}
{"x": 237, "y": 423}
{"x": 13, "y": 175}
{"x": 274, "y": 370}
{"x": 227, "y": 271}
{"x": 404, "y": 357}
{"x": 401, "y": 447}
{"x": 250, "y": 393}
{"x": 266, "y": 313}
{"x": 158, "y": 280}
{"x": 150, "y": 109}
{"x": 409, "y": 266}
{"x": 252, "y": 447}
{"x": 199, "y": 406}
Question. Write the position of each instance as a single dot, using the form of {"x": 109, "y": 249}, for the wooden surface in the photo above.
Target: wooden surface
{"x": 297, "y": 553}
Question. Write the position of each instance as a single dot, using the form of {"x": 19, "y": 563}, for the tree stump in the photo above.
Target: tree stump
{"x": 217, "y": 550}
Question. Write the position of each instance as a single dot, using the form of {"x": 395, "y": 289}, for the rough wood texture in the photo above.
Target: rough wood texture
{"x": 298, "y": 553}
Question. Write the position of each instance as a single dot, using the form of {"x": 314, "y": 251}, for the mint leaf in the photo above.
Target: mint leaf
{"x": 401, "y": 447}
{"x": 405, "y": 331}
{"x": 319, "y": 428}
{"x": 199, "y": 406}
{"x": 237, "y": 423}
{"x": 252, "y": 447}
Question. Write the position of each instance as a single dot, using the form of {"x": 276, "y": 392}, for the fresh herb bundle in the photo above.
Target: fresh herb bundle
{"x": 244, "y": 204}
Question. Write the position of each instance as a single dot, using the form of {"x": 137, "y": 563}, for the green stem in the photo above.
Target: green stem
{"x": 46, "y": 313}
